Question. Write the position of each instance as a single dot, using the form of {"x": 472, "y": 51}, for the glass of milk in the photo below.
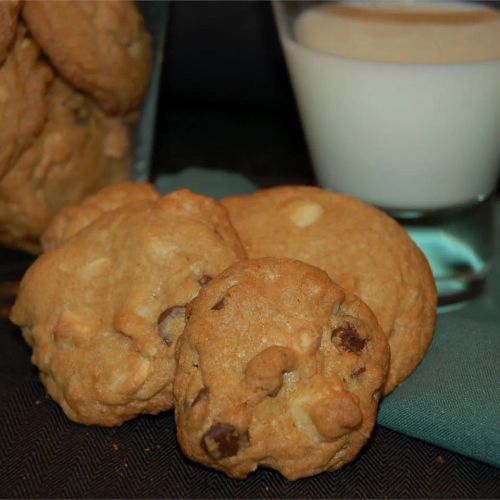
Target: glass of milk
{"x": 400, "y": 104}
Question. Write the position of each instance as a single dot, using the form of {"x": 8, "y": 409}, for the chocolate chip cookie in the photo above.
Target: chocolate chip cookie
{"x": 79, "y": 150}
{"x": 73, "y": 218}
{"x": 101, "y": 48}
{"x": 360, "y": 247}
{"x": 24, "y": 79}
{"x": 277, "y": 367}
{"x": 103, "y": 311}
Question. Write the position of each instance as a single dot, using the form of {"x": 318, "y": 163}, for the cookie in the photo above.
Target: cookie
{"x": 102, "y": 311}
{"x": 73, "y": 218}
{"x": 24, "y": 79}
{"x": 360, "y": 247}
{"x": 79, "y": 150}
{"x": 101, "y": 48}
{"x": 277, "y": 367}
{"x": 9, "y": 12}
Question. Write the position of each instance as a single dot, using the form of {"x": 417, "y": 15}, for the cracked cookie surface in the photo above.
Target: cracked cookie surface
{"x": 360, "y": 247}
{"x": 103, "y": 311}
{"x": 277, "y": 367}
{"x": 73, "y": 218}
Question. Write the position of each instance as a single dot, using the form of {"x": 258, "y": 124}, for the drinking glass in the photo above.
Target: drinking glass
{"x": 400, "y": 105}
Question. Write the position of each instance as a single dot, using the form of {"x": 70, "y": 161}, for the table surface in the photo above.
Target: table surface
{"x": 44, "y": 455}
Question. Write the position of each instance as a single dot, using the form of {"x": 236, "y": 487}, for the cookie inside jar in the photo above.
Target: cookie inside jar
{"x": 73, "y": 108}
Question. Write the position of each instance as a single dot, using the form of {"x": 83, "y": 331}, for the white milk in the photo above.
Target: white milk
{"x": 387, "y": 118}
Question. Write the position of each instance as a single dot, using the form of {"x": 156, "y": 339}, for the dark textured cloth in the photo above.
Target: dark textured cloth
{"x": 44, "y": 455}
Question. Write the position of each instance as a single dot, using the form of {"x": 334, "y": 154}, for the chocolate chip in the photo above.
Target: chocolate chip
{"x": 204, "y": 280}
{"x": 223, "y": 440}
{"x": 356, "y": 373}
{"x": 165, "y": 322}
{"x": 219, "y": 305}
{"x": 349, "y": 338}
{"x": 202, "y": 394}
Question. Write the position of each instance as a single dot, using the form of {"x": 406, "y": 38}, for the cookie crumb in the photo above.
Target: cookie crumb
{"x": 439, "y": 460}
{"x": 38, "y": 402}
{"x": 116, "y": 446}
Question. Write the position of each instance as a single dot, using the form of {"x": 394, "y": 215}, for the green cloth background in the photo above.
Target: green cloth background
{"x": 453, "y": 398}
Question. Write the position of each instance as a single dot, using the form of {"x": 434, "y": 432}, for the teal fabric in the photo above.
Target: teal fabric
{"x": 214, "y": 183}
{"x": 453, "y": 398}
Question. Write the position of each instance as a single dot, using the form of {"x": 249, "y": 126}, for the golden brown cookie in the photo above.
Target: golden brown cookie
{"x": 24, "y": 79}
{"x": 360, "y": 247}
{"x": 79, "y": 150}
{"x": 101, "y": 48}
{"x": 9, "y": 12}
{"x": 277, "y": 367}
{"x": 73, "y": 218}
{"x": 102, "y": 311}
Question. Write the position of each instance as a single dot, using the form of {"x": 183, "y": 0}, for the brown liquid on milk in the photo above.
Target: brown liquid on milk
{"x": 403, "y": 33}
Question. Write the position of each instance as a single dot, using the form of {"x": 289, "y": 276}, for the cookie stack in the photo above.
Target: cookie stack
{"x": 72, "y": 75}
{"x": 272, "y": 323}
